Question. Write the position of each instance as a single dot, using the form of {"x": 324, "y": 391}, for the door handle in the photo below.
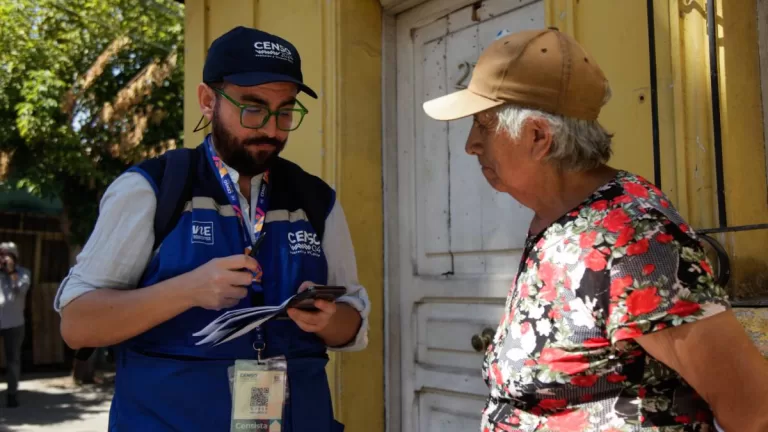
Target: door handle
{"x": 481, "y": 341}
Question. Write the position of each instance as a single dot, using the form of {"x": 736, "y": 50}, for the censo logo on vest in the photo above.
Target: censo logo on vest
{"x": 305, "y": 243}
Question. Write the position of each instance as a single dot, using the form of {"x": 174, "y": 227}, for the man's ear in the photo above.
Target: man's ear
{"x": 540, "y": 136}
{"x": 207, "y": 100}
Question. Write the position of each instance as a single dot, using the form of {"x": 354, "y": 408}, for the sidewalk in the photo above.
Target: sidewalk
{"x": 54, "y": 403}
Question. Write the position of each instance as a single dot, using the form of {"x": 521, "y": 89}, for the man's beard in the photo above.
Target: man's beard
{"x": 235, "y": 153}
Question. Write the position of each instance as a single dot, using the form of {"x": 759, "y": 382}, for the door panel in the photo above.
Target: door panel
{"x": 445, "y": 331}
{"x": 445, "y": 412}
{"x": 459, "y": 240}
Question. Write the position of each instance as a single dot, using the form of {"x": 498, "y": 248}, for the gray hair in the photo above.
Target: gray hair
{"x": 577, "y": 145}
{"x": 10, "y": 248}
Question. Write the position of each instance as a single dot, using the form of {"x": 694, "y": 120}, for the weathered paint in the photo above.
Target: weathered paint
{"x": 340, "y": 140}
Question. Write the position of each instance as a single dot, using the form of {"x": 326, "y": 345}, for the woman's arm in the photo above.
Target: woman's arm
{"x": 717, "y": 358}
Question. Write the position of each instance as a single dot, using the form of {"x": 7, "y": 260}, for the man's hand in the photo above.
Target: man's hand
{"x": 222, "y": 282}
{"x": 313, "y": 322}
{"x": 335, "y": 323}
{"x": 106, "y": 316}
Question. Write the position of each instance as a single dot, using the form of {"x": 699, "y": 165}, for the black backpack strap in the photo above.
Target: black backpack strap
{"x": 318, "y": 206}
{"x": 299, "y": 189}
{"x": 173, "y": 189}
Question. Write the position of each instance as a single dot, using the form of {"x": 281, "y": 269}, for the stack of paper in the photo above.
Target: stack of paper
{"x": 236, "y": 323}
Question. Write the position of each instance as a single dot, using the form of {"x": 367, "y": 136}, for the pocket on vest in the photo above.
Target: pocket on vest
{"x": 156, "y": 390}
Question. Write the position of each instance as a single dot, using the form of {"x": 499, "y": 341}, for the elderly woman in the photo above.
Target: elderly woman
{"x": 615, "y": 321}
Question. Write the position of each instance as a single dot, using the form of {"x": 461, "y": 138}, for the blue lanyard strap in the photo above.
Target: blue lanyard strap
{"x": 250, "y": 244}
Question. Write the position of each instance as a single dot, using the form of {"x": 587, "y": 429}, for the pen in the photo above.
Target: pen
{"x": 256, "y": 245}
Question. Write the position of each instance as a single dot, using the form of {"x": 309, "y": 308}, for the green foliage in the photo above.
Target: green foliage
{"x": 51, "y": 106}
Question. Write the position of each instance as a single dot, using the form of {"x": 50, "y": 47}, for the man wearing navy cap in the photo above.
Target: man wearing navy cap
{"x": 185, "y": 237}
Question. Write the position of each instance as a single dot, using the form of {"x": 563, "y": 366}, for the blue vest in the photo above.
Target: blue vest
{"x": 164, "y": 381}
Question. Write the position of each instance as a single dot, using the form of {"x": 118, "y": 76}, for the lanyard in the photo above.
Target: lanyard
{"x": 250, "y": 242}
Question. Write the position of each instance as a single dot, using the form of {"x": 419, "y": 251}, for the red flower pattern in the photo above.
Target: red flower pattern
{"x": 619, "y": 286}
{"x": 648, "y": 269}
{"x": 584, "y": 380}
{"x": 595, "y": 261}
{"x": 643, "y": 301}
{"x": 597, "y": 343}
{"x": 638, "y": 248}
{"x": 587, "y": 239}
{"x": 561, "y": 361}
{"x": 553, "y": 404}
{"x": 636, "y": 189}
{"x": 573, "y": 421}
{"x": 615, "y": 378}
{"x": 630, "y": 332}
{"x": 547, "y": 273}
{"x": 625, "y": 235}
{"x": 576, "y": 326}
{"x": 683, "y": 308}
{"x": 548, "y": 293}
{"x": 616, "y": 219}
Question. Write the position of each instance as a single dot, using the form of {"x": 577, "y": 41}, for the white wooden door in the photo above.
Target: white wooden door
{"x": 459, "y": 242}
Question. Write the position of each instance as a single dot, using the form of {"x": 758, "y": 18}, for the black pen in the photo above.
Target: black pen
{"x": 256, "y": 245}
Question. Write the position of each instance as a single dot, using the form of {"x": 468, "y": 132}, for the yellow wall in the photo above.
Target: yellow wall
{"x": 623, "y": 57}
{"x": 615, "y": 32}
{"x": 743, "y": 145}
{"x": 340, "y": 140}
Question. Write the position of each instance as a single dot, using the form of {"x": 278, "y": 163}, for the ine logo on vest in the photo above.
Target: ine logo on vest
{"x": 202, "y": 232}
{"x": 304, "y": 243}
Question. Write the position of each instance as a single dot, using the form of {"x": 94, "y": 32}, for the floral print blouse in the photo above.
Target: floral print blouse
{"x": 564, "y": 359}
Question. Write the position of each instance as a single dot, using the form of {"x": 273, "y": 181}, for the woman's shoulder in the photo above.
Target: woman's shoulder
{"x": 628, "y": 206}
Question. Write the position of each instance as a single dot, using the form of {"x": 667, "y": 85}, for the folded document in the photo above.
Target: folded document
{"x": 235, "y": 323}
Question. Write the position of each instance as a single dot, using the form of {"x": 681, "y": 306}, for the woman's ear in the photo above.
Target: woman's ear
{"x": 542, "y": 138}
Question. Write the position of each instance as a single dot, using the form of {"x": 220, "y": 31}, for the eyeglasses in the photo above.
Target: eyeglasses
{"x": 256, "y": 116}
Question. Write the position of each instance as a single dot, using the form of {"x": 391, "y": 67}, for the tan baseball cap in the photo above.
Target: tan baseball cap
{"x": 541, "y": 69}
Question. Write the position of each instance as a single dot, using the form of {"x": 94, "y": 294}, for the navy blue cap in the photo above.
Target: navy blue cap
{"x": 248, "y": 57}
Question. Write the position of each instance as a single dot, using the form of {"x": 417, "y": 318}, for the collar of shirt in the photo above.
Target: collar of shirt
{"x": 255, "y": 185}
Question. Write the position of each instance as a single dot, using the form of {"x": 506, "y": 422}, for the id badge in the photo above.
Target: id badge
{"x": 258, "y": 394}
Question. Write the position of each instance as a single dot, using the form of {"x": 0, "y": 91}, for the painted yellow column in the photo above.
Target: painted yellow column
{"x": 340, "y": 141}
{"x": 358, "y": 107}
{"x": 744, "y": 149}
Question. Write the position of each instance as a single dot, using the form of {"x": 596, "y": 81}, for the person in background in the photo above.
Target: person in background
{"x": 615, "y": 322}
{"x": 14, "y": 284}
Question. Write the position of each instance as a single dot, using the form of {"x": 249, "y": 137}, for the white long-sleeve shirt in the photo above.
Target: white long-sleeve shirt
{"x": 120, "y": 247}
{"x": 13, "y": 296}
